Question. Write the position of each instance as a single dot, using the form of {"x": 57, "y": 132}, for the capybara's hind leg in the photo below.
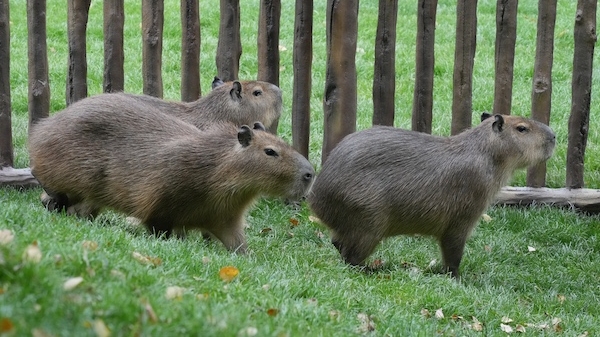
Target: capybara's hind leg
{"x": 452, "y": 246}
{"x": 355, "y": 249}
{"x": 159, "y": 227}
{"x": 55, "y": 202}
{"x": 84, "y": 210}
{"x": 234, "y": 239}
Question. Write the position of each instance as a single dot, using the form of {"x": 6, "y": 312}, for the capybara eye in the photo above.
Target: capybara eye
{"x": 271, "y": 152}
{"x": 257, "y": 92}
{"x": 522, "y": 128}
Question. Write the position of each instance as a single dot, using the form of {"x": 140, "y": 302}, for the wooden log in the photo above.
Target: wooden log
{"x": 114, "y": 57}
{"x": 339, "y": 101}
{"x": 423, "y": 93}
{"x": 583, "y": 199}
{"x": 6, "y": 144}
{"x": 506, "y": 37}
{"x": 229, "y": 47}
{"x": 541, "y": 95}
{"x": 581, "y": 90}
{"x": 76, "y": 86}
{"x": 190, "y": 50}
{"x": 464, "y": 58}
{"x": 152, "y": 35}
{"x": 303, "y": 50}
{"x": 268, "y": 45}
{"x": 17, "y": 177}
{"x": 37, "y": 54}
{"x": 384, "y": 77}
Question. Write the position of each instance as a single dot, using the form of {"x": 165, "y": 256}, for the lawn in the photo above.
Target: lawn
{"x": 534, "y": 270}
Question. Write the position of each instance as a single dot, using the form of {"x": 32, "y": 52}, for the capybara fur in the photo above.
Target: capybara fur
{"x": 100, "y": 153}
{"x": 238, "y": 102}
{"x": 385, "y": 181}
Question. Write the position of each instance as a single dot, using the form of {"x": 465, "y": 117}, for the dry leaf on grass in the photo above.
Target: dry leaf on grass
{"x": 150, "y": 312}
{"x": 531, "y": 249}
{"x": 32, "y": 253}
{"x": 6, "y": 237}
{"x": 174, "y": 292}
{"x": 486, "y": 218}
{"x": 100, "y": 329}
{"x": 439, "y": 314}
{"x": 506, "y": 328}
{"x": 6, "y": 325}
{"x": 366, "y": 323}
{"x": 89, "y": 245}
{"x": 272, "y": 312}
{"x": 425, "y": 313}
{"x": 314, "y": 219}
{"x": 147, "y": 260}
{"x": 71, "y": 283}
{"x": 249, "y": 331}
{"x": 506, "y": 320}
{"x": 520, "y": 328}
{"x": 476, "y": 325}
{"x": 228, "y": 273}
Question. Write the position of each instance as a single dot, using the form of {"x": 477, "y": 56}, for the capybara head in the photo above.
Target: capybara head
{"x": 243, "y": 102}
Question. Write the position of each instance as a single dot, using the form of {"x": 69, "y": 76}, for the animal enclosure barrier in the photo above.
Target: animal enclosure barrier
{"x": 339, "y": 102}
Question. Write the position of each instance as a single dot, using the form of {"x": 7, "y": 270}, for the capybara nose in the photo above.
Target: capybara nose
{"x": 308, "y": 176}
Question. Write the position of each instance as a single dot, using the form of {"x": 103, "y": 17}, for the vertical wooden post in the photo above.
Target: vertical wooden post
{"x": 541, "y": 95}
{"x": 303, "y": 49}
{"x": 37, "y": 54}
{"x": 506, "y": 36}
{"x": 268, "y": 45}
{"x": 464, "y": 58}
{"x": 229, "y": 47}
{"x": 384, "y": 77}
{"x": 76, "y": 87}
{"x": 6, "y": 145}
{"x": 114, "y": 58}
{"x": 581, "y": 88}
{"x": 423, "y": 94}
{"x": 152, "y": 35}
{"x": 339, "y": 102}
{"x": 190, "y": 50}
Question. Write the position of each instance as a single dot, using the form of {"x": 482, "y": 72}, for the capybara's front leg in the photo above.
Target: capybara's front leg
{"x": 452, "y": 245}
{"x": 233, "y": 238}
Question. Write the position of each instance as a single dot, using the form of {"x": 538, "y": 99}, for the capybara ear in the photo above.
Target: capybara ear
{"x": 244, "y": 135}
{"x": 259, "y": 126}
{"x": 498, "y": 124}
{"x": 236, "y": 91}
{"x": 485, "y": 116}
{"x": 217, "y": 82}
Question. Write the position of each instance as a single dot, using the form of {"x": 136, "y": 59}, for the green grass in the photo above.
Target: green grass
{"x": 293, "y": 283}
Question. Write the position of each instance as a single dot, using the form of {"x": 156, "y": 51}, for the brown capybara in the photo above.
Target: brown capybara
{"x": 384, "y": 181}
{"x": 238, "y": 102}
{"x": 100, "y": 153}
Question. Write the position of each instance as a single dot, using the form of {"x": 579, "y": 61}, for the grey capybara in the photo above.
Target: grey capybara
{"x": 102, "y": 153}
{"x": 385, "y": 181}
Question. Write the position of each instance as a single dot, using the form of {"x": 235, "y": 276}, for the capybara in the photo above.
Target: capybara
{"x": 238, "y": 102}
{"x": 385, "y": 181}
{"x": 100, "y": 153}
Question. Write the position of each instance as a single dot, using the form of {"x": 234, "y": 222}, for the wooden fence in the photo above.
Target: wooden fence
{"x": 339, "y": 102}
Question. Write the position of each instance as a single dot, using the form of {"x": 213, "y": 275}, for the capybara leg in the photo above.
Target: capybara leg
{"x": 160, "y": 228}
{"x": 54, "y": 201}
{"x": 355, "y": 249}
{"x": 452, "y": 246}
{"x": 234, "y": 239}
{"x": 84, "y": 210}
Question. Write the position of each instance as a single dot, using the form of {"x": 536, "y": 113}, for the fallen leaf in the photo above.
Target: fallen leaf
{"x": 228, "y": 273}
{"x": 377, "y": 263}
{"x": 334, "y": 315}
{"x": 206, "y": 259}
{"x": 282, "y": 48}
{"x": 150, "y": 312}
{"x": 6, "y": 325}
{"x": 531, "y": 249}
{"x": 249, "y": 331}
{"x": 202, "y": 296}
{"x": 265, "y": 230}
{"x": 520, "y": 328}
{"x": 272, "y": 312}
{"x": 456, "y": 317}
{"x": 71, "y": 283}
{"x": 556, "y": 324}
{"x": 117, "y": 273}
{"x": 561, "y": 298}
{"x": 366, "y": 323}
{"x": 487, "y": 248}
{"x": 89, "y": 245}
{"x": 32, "y": 253}
{"x": 584, "y": 334}
{"x": 6, "y": 236}
{"x": 320, "y": 234}
{"x": 294, "y": 222}
{"x": 506, "y": 328}
{"x": 266, "y": 286}
{"x": 314, "y": 219}
{"x": 506, "y": 319}
{"x": 100, "y": 328}
{"x": 432, "y": 263}
{"x": 486, "y": 218}
{"x": 476, "y": 325}
{"x": 174, "y": 292}
{"x": 439, "y": 314}
{"x": 147, "y": 260}
{"x": 425, "y": 313}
